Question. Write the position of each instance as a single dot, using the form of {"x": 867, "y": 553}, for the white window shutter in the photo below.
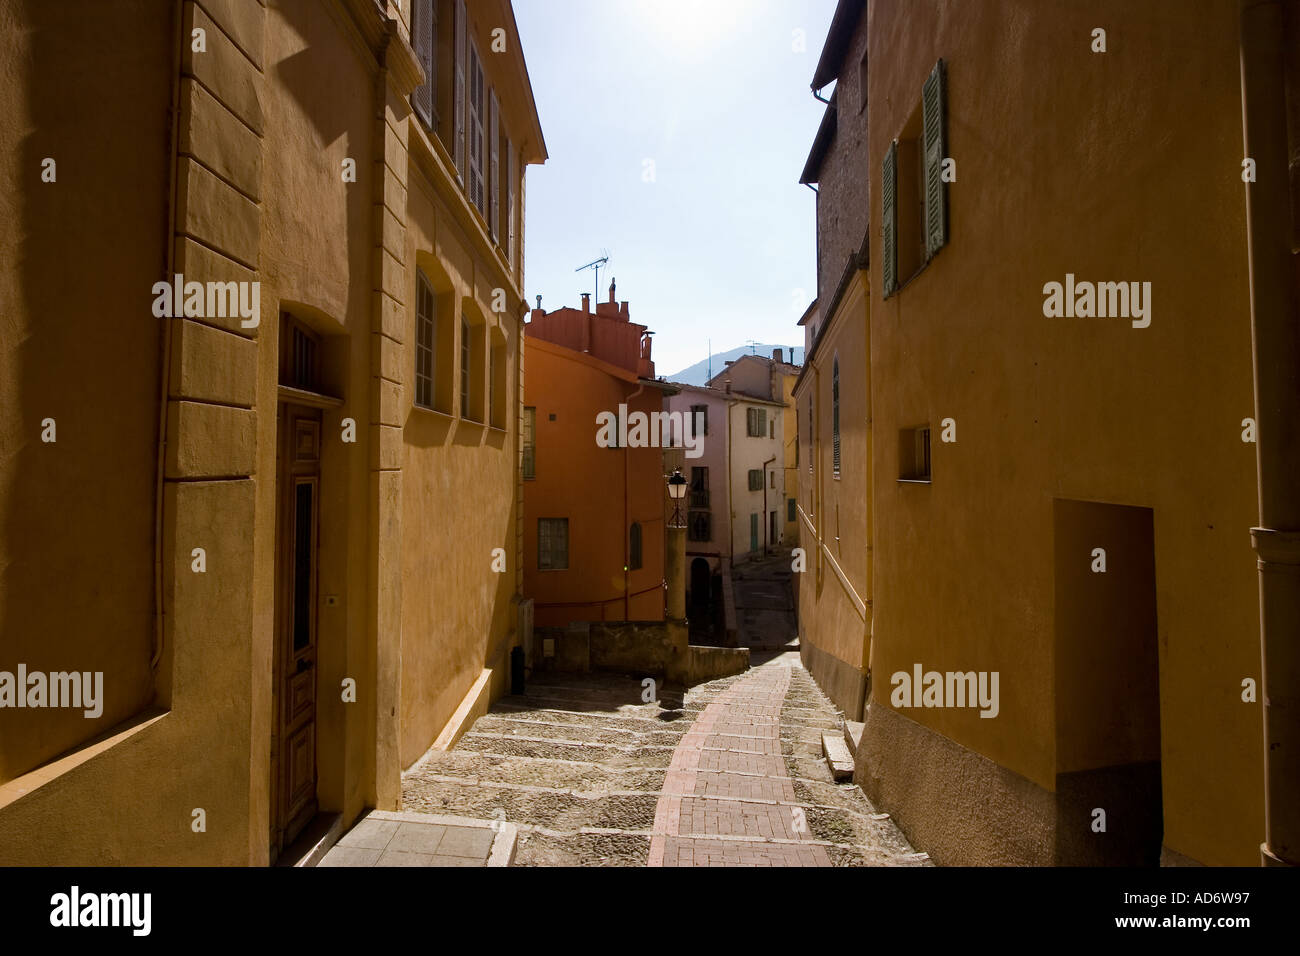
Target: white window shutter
{"x": 934, "y": 108}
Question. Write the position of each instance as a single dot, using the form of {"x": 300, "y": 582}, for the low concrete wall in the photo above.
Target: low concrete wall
{"x": 640, "y": 648}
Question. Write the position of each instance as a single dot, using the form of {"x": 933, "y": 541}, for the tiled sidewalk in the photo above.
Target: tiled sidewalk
{"x": 727, "y": 799}
{"x": 383, "y": 838}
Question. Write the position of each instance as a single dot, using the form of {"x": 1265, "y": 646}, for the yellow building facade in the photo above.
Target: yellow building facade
{"x": 278, "y": 519}
{"x": 1046, "y": 363}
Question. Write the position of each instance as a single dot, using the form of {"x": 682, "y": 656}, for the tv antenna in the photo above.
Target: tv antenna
{"x": 595, "y": 265}
{"x": 753, "y": 346}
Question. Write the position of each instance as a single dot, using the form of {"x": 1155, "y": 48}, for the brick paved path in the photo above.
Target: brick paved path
{"x": 720, "y": 774}
{"x": 727, "y": 799}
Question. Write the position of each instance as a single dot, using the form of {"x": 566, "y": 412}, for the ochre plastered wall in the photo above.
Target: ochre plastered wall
{"x": 1071, "y": 161}
{"x": 265, "y": 115}
{"x": 835, "y": 606}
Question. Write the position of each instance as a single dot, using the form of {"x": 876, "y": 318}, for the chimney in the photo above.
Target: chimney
{"x": 611, "y": 291}
{"x": 776, "y": 355}
{"x": 726, "y": 384}
{"x": 622, "y": 311}
{"x": 586, "y": 302}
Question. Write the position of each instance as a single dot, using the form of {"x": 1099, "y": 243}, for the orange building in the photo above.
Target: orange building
{"x": 593, "y": 482}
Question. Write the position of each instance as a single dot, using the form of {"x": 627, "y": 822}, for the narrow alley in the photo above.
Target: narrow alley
{"x": 729, "y": 773}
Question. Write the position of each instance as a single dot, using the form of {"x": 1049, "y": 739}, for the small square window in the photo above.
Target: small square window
{"x": 914, "y": 454}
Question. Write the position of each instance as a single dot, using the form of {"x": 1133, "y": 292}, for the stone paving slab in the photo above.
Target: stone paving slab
{"x": 410, "y": 839}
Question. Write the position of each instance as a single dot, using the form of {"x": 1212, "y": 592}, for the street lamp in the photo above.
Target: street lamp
{"x": 677, "y": 491}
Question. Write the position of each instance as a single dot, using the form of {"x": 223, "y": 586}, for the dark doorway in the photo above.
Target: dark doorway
{"x": 700, "y": 577}
{"x": 1107, "y": 686}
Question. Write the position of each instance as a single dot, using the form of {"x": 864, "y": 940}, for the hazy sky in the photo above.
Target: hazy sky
{"x": 722, "y": 243}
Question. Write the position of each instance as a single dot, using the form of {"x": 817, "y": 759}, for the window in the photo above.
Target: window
{"x": 497, "y": 381}
{"x": 771, "y": 479}
{"x": 529, "y": 441}
{"x": 465, "y": 351}
{"x": 914, "y": 454}
{"x": 494, "y": 167}
{"x": 424, "y": 337}
{"x": 700, "y": 526}
{"x": 299, "y": 355}
{"x": 699, "y": 487}
{"x": 634, "y": 547}
{"x": 810, "y": 435}
{"x": 477, "y": 132}
{"x": 460, "y": 28}
{"x": 835, "y": 414}
{"x": 789, "y": 510}
{"x": 771, "y": 429}
{"x": 552, "y": 544}
{"x": 914, "y": 197}
{"x": 756, "y": 422}
{"x": 508, "y": 211}
{"x": 756, "y": 479}
{"x": 700, "y": 419}
{"x": 424, "y": 37}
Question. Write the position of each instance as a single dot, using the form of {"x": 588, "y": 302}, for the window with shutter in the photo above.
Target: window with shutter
{"x": 509, "y": 172}
{"x": 477, "y": 132}
{"x": 889, "y": 220}
{"x": 933, "y": 109}
{"x": 835, "y": 415}
{"x": 458, "y": 100}
{"x": 424, "y": 35}
{"x": 494, "y": 178}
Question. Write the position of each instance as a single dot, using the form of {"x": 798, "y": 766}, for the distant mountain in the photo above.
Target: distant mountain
{"x": 698, "y": 374}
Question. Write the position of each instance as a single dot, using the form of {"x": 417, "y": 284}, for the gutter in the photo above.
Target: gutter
{"x": 1275, "y": 341}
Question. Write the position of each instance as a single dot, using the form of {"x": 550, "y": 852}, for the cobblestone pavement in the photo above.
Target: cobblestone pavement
{"x": 729, "y": 773}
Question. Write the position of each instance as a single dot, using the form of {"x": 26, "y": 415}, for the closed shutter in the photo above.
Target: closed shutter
{"x": 425, "y": 37}
{"x": 458, "y": 109}
{"x": 494, "y": 173}
{"x": 509, "y": 172}
{"x": 889, "y": 219}
{"x": 835, "y": 414}
{"x": 933, "y": 109}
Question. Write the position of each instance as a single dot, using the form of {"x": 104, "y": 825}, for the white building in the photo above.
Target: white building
{"x": 737, "y": 486}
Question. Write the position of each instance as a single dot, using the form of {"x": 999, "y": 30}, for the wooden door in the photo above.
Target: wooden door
{"x": 293, "y": 744}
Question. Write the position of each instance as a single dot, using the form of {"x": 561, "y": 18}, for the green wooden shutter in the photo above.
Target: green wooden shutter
{"x": 889, "y": 219}
{"x": 934, "y": 109}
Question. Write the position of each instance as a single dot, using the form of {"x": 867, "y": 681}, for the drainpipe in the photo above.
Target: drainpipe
{"x": 178, "y": 11}
{"x": 627, "y": 526}
{"x": 1275, "y": 338}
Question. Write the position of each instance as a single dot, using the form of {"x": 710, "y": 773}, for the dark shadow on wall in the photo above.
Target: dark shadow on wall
{"x": 89, "y": 85}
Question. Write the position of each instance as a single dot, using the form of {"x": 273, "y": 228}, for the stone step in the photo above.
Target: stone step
{"x": 542, "y": 772}
{"x": 853, "y": 735}
{"x": 838, "y": 757}
{"x": 557, "y": 811}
